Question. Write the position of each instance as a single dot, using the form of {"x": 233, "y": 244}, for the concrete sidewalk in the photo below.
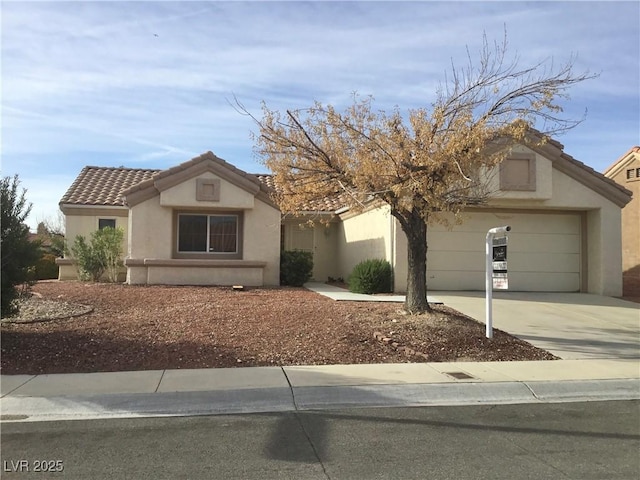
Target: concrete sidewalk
{"x": 274, "y": 389}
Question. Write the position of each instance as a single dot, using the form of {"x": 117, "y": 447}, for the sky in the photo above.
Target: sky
{"x": 151, "y": 84}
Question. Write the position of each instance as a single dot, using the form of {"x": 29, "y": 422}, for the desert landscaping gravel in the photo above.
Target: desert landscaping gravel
{"x": 165, "y": 327}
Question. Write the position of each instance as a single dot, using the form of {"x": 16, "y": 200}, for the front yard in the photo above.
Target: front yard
{"x": 160, "y": 327}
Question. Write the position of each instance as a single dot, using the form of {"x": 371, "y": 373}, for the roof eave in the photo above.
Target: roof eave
{"x": 582, "y": 173}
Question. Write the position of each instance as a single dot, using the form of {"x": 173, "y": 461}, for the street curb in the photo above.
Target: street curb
{"x": 577, "y": 390}
{"x": 267, "y": 400}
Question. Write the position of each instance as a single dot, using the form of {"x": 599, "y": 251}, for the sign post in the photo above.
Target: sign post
{"x": 496, "y": 270}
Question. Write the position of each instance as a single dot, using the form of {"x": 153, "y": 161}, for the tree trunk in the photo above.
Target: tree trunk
{"x": 415, "y": 228}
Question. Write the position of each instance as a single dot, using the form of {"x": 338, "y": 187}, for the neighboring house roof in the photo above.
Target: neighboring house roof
{"x": 622, "y": 162}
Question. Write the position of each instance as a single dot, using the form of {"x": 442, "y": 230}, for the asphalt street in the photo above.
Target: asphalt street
{"x": 594, "y": 440}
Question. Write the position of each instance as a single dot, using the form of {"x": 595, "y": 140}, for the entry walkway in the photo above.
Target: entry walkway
{"x": 340, "y": 294}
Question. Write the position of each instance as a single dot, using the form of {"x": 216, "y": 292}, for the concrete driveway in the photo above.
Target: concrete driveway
{"x": 569, "y": 325}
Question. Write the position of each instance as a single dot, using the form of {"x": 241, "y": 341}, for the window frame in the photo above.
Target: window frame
{"x": 110, "y": 219}
{"x": 237, "y": 255}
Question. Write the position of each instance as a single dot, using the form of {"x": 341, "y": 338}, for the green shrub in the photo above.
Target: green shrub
{"x": 19, "y": 255}
{"x": 46, "y": 268}
{"x": 103, "y": 254}
{"x": 296, "y": 267}
{"x": 371, "y": 276}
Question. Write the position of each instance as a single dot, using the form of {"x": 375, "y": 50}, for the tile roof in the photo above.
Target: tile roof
{"x": 329, "y": 204}
{"x": 104, "y": 185}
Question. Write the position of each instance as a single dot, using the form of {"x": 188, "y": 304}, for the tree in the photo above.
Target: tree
{"x": 19, "y": 254}
{"x": 51, "y": 231}
{"x": 424, "y": 164}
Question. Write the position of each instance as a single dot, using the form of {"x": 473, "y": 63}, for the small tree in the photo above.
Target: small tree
{"x": 103, "y": 254}
{"x": 424, "y": 164}
{"x": 19, "y": 255}
{"x": 51, "y": 231}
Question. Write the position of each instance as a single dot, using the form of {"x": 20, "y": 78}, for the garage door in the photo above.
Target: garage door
{"x": 544, "y": 252}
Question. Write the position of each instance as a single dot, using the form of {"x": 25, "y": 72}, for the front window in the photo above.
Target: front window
{"x": 208, "y": 234}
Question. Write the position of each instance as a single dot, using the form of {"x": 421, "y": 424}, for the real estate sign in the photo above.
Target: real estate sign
{"x": 500, "y": 279}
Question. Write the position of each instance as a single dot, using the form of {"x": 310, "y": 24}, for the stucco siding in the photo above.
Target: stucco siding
{"x": 262, "y": 239}
{"x": 151, "y": 226}
{"x": 631, "y": 229}
{"x": 630, "y": 219}
{"x": 77, "y": 224}
{"x": 85, "y": 225}
{"x": 184, "y": 194}
{"x": 364, "y": 236}
{"x": 251, "y": 277}
{"x": 604, "y": 238}
{"x": 543, "y": 173}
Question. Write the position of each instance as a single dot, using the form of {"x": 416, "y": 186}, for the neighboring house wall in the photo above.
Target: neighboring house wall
{"x": 84, "y": 221}
{"x": 626, "y": 172}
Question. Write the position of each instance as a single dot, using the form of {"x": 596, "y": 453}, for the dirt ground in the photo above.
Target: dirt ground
{"x": 161, "y": 327}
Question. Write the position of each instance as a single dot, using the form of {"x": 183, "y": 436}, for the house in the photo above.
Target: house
{"x": 199, "y": 223}
{"x": 626, "y": 172}
{"x": 207, "y": 222}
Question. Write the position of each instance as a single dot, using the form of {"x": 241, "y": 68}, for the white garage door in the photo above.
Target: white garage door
{"x": 544, "y": 252}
